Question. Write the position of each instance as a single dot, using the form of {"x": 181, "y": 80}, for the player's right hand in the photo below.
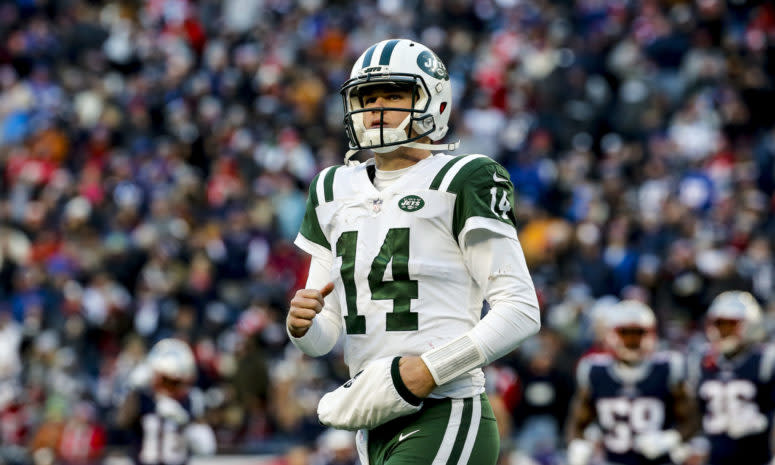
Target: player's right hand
{"x": 305, "y": 305}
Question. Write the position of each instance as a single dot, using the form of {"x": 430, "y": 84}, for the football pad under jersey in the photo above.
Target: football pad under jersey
{"x": 400, "y": 279}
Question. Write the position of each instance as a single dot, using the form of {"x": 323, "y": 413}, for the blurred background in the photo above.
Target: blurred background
{"x": 154, "y": 159}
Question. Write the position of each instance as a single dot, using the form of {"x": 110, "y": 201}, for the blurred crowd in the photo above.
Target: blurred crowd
{"x": 155, "y": 155}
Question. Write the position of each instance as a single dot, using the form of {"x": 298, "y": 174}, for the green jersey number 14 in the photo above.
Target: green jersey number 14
{"x": 401, "y": 290}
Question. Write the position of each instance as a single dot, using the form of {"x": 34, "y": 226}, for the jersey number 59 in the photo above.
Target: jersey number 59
{"x": 622, "y": 418}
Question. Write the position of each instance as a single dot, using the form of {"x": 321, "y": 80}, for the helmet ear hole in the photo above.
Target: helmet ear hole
{"x": 442, "y": 107}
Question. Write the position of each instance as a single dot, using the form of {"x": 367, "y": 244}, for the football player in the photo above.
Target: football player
{"x": 638, "y": 399}
{"x": 404, "y": 249}
{"x": 163, "y": 416}
{"x": 733, "y": 382}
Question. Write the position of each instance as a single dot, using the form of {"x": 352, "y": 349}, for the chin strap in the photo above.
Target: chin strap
{"x": 415, "y": 145}
{"x": 433, "y": 147}
{"x": 349, "y": 155}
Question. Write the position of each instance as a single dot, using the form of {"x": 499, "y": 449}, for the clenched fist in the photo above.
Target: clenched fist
{"x": 305, "y": 305}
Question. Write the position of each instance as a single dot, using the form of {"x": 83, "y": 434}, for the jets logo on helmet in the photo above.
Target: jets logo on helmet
{"x": 407, "y": 65}
{"x": 431, "y": 64}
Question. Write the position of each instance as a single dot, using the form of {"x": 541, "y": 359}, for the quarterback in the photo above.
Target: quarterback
{"x": 405, "y": 248}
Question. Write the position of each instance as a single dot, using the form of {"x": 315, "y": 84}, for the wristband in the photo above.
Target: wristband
{"x": 453, "y": 359}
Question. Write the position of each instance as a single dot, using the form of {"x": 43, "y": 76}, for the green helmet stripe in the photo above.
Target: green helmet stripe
{"x": 384, "y": 58}
{"x": 367, "y": 57}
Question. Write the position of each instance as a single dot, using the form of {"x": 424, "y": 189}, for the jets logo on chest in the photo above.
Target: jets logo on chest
{"x": 411, "y": 203}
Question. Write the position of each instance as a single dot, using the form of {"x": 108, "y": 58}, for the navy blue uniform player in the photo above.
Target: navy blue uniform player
{"x": 637, "y": 398}
{"x": 733, "y": 382}
{"x": 162, "y": 418}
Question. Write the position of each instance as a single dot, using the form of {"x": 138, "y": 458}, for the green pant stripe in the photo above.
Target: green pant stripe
{"x": 476, "y": 416}
{"x": 453, "y": 425}
{"x": 443, "y": 432}
{"x": 462, "y": 432}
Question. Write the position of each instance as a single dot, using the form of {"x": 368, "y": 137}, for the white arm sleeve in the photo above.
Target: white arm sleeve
{"x": 498, "y": 266}
{"x": 327, "y": 325}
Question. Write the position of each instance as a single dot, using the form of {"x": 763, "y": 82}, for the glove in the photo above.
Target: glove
{"x": 167, "y": 407}
{"x": 653, "y": 444}
{"x": 372, "y": 397}
{"x": 746, "y": 424}
{"x": 580, "y": 452}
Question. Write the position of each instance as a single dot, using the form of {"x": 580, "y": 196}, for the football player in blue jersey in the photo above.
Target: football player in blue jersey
{"x": 162, "y": 416}
{"x": 638, "y": 398}
{"x": 734, "y": 384}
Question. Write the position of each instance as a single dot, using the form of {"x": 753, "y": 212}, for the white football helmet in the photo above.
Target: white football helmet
{"x": 173, "y": 359}
{"x": 403, "y": 63}
{"x": 627, "y": 320}
{"x": 741, "y": 308}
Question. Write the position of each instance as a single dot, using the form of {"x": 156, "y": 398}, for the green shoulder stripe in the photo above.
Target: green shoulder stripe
{"x": 310, "y": 226}
{"x": 440, "y": 175}
{"x": 482, "y": 190}
{"x": 313, "y": 191}
{"x": 464, "y": 175}
{"x": 328, "y": 183}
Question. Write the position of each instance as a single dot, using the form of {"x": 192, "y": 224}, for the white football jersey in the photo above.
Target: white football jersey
{"x": 398, "y": 269}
